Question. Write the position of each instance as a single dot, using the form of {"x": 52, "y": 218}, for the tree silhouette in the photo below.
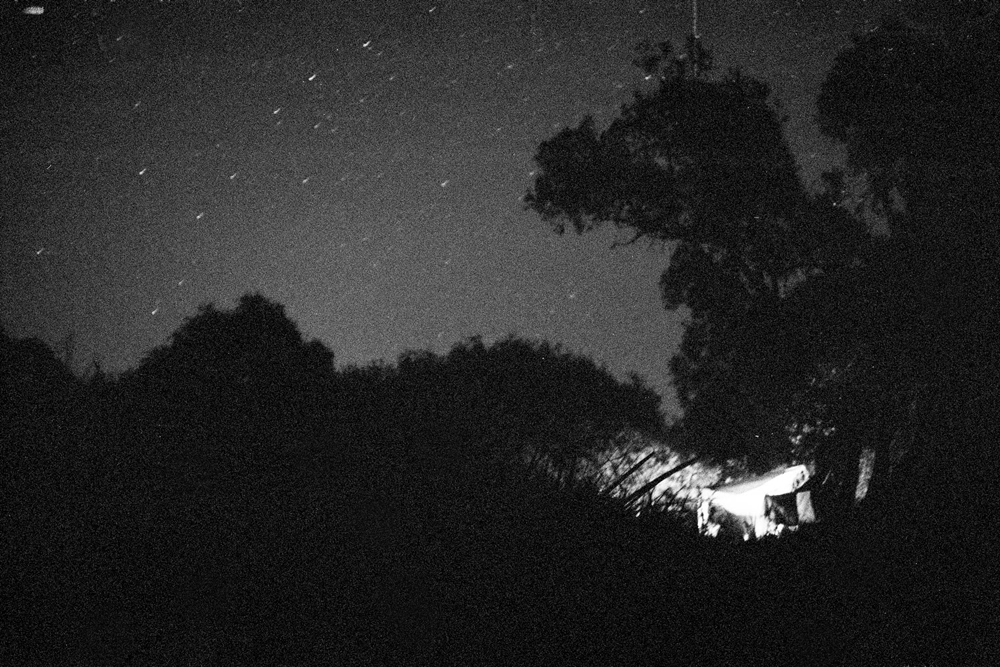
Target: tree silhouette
{"x": 701, "y": 165}
{"x": 916, "y": 109}
{"x": 911, "y": 104}
{"x": 236, "y": 378}
{"x": 519, "y": 402}
{"x": 410, "y": 534}
{"x": 39, "y": 402}
{"x": 31, "y": 370}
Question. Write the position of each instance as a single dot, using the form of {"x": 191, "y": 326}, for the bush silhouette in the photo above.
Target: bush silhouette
{"x": 236, "y": 378}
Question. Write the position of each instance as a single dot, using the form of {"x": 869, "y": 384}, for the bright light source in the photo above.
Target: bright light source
{"x": 34, "y": 10}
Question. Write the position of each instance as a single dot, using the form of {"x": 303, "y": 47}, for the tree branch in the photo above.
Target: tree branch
{"x": 620, "y": 244}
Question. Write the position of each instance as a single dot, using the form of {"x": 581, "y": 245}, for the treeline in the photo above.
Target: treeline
{"x": 235, "y": 499}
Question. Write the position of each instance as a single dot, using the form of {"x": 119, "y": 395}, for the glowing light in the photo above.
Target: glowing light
{"x": 34, "y": 10}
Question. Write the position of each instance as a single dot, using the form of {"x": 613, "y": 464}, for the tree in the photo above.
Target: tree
{"x": 232, "y": 378}
{"x": 674, "y": 168}
{"x": 915, "y": 105}
{"x": 912, "y": 104}
{"x": 702, "y": 166}
{"x": 39, "y": 409}
{"x": 517, "y": 402}
{"x": 30, "y": 372}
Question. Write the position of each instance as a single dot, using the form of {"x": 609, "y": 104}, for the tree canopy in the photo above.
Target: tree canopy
{"x": 231, "y": 372}
{"x": 659, "y": 169}
{"x": 913, "y": 104}
{"x": 516, "y": 402}
{"x": 700, "y": 165}
{"x": 808, "y": 335}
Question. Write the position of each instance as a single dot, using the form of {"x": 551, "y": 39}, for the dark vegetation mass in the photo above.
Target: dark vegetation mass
{"x": 236, "y": 499}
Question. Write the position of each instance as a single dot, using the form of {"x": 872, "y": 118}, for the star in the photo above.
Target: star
{"x": 345, "y": 180}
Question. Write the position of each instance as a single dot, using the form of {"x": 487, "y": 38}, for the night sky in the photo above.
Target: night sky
{"x": 360, "y": 162}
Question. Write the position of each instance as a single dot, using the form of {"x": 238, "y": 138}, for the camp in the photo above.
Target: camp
{"x": 753, "y": 507}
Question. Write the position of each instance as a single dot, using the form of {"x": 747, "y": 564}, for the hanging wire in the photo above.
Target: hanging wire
{"x": 695, "y": 37}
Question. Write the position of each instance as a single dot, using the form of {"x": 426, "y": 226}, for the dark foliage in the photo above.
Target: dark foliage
{"x": 236, "y": 500}
{"x": 238, "y": 379}
{"x": 916, "y": 109}
{"x": 915, "y": 105}
{"x": 399, "y": 524}
{"x": 801, "y": 323}
{"x": 520, "y": 401}
{"x": 701, "y": 164}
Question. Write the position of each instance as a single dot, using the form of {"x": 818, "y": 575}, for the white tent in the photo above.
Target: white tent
{"x": 765, "y": 504}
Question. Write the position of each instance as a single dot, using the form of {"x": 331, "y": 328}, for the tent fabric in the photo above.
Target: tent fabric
{"x": 780, "y": 497}
{"x": 791, "y": 509}
{"x": 747, "y": 497}
{"x": 783, "y": 509}
{"x": 805, "y": 507}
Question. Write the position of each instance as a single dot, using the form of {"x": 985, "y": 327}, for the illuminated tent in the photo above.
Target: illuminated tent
{"x": 758, "y": 505}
